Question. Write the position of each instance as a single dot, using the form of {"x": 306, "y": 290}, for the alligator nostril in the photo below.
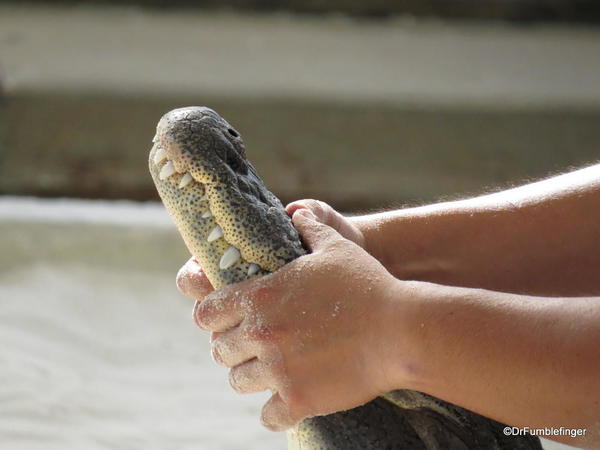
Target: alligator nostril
{"x": 233, "y": 132}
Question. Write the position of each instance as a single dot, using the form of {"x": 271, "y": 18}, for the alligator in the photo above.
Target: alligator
{"x": 238, "y": 230}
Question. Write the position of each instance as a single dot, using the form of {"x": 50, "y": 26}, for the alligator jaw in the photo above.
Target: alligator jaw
{"x": 228, "y": 220}
{"x": 186, "y": 200}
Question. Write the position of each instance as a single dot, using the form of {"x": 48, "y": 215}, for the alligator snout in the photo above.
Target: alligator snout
{"x": 228, "y": 219}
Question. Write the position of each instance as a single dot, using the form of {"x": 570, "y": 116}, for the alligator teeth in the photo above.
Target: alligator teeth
{"x": 167, "y": 170}
{"x": 187, "y": 179}
{"x": 155, "y": 138}
{"x": 207, "y": 214}
{"x": 252, "y": 269}
{"x": 229, "y": 258}
{"x": 160, "y": 155}
{"x": 215, "y": 234}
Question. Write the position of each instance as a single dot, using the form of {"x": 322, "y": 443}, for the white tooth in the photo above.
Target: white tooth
{"x": 185, "y": 180}
{"x": 204, "y": 197}
{"x": 215, "y": 234}
{"x": 160, "y": 155}
{"x": 252, "y": 269}
{"x": 207, "y": 214}
{"x": 167, "y": 170}
{"x": 229, "y": 258}
{"x": 155, "y": 138}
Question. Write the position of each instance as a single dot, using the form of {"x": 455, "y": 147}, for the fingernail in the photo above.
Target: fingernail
{"x": 307, "y": 213}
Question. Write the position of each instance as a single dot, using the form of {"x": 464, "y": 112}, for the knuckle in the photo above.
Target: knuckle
{"x": 203, "y": 314}
{"x": 320, "y": 209}
{"x": 275, "y": 372}
{"x": 217, "y": 349}
{"x": 261, "y": 295}
{"x": 259, "y": 333}
{"x": 275, "y": 414}
{"x": 296, "y": 400}
{"x": 236, "y": 378}
{"x": 233, "y": 382}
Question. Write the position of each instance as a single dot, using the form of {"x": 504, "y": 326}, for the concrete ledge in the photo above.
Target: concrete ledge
{"x": 88, "y": 265}
{"x": 358, "y": 114}
{"x": 124, "y": 236}
{"x": 355, "y": 157}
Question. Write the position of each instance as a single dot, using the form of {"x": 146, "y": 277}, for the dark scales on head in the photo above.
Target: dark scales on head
{"x": 215, "y": 152}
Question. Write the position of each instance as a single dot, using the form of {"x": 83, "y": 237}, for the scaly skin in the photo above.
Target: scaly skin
{"x": 197, "y": 141}
{"x": 239, "y": 230}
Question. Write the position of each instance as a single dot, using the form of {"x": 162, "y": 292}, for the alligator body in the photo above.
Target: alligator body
{"x": 239, "y": 230}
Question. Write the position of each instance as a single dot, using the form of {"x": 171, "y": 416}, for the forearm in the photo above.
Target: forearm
{"x": 542, "y": 238}
{"x": 517, "y": 359}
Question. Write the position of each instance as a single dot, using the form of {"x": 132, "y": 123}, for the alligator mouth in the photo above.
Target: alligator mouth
{"x": 228, "y": 219}
{"x": 189, "y": 202}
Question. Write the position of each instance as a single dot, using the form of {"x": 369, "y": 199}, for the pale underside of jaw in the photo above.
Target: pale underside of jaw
{"x": 166, "y": 170}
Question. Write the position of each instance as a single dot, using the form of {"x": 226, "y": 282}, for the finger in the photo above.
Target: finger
{"x": 223, "y": 309}
{"x": 192, "y": 281}
{"x": 232, "y": 348}
{"x": 315, "y": 234}
{"x": 329, "y": 216}
{"x": 249, "y": 377}
{"x": 320, "y": 209}
{"x": 213, "y": 335}
{"x": 276, "y": 415}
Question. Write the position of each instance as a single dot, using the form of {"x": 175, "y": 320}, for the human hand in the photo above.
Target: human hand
{"x": 329, "y": 216}
{"x": 314, "y": 332}
{"x": 192, "y": 281}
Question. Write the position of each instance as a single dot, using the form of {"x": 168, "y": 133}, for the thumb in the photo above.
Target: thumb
{"x": 315, "y": 234}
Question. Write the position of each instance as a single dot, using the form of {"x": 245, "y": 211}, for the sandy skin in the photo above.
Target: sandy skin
{"x": 341, "y": 325}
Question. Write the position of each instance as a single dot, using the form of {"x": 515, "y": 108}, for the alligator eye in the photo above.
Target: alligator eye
{"x": 232, "y": 132}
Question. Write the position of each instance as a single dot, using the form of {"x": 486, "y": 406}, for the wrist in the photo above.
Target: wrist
{"x": 431, "y": 243}
{"x": 403, "y": 335}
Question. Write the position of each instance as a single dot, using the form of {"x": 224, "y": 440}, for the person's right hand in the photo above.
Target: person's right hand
{"x": 306, "y": 331}
{"x": 329, "y": 216}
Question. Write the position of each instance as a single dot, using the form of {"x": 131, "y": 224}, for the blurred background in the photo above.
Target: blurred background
{"x": 365, "y": 105}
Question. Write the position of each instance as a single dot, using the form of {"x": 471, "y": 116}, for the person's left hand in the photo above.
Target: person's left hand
{"x": 314, "y": 332}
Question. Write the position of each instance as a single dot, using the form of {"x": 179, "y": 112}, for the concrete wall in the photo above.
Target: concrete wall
{"x": 362, "y": 115}
{"x": 355, "y": 156}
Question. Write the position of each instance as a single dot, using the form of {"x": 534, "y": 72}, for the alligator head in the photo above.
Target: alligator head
{"x": 227, "y": 218}
{"x": 238, "y": 230}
